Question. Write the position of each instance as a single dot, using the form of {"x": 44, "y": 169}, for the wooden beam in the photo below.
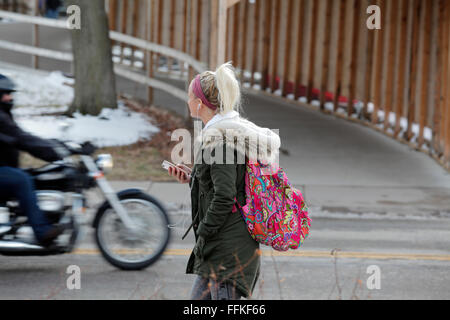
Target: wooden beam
{"x": 112, "y": 14}
{"x": 300, "y": 47}
{"x": 244, "y": 38}
{"x": 123, "y": 25}
{"x": 150, "y": 6}
{"x": 266, "y": 44}
{"x": 426, "y": 48}
{"x": 326, "y": 54}
{"x": 172, "y": 28}
{"x": 135, "y": 21}
{"x": 441, "y": 81}
{"x": 287, "y": 50}
{"x": 218, "y": 33}
{"x": 18, "y": 17}
{"x": 35, "y": 37}
{"x": 447, "y": 88}
{"x": 379, "y": 62}
{"x": 255, "y": 55}
{"x": 236, "y": 35}
{"x": 32, "y": 50}
{"x": 340, "y": 54}
{"x": 354, "y": 56}
{"x": 368, "y": 94}
{"x": 414, "y": 67}
{"x": 276, "y": 46}
{"x": 198, "y": 36}
{"x": 391, "y": 67}
{"x": 400, "y": 100}
{"x": 312, "y": 57}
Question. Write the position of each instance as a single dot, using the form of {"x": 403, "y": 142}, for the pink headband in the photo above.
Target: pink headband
{"x": 198, "y": 91}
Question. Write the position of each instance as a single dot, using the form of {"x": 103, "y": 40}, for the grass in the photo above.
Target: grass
{"x": 137, "y": 162}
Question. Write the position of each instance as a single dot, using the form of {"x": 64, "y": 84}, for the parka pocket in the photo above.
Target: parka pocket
{"x": 207, "y": 248}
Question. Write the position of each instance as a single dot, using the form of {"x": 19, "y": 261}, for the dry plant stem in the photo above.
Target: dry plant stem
{"x": 277, "y": 273}
{"x": 334, "y": 253}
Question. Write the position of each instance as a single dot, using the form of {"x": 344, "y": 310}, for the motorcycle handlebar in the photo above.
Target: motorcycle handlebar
{"x": 86, "y": 148}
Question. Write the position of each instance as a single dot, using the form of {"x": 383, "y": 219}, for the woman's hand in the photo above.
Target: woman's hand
{"x": 178, "y": 173}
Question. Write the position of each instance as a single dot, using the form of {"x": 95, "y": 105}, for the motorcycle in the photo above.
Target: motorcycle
{"x": 132, "y": 228}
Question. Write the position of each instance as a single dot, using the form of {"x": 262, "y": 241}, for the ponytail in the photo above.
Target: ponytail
{"x": 228, "y": 87}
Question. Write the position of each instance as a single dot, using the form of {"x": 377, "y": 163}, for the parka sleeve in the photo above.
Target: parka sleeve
{"x": 11, "y": 134}
{"x": 223, "y": 177}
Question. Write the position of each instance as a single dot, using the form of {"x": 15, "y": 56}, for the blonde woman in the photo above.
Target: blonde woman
{"x": 225, "y": 258}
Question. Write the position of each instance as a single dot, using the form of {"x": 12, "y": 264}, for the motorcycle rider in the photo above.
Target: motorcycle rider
{"x": 15, "y": 182}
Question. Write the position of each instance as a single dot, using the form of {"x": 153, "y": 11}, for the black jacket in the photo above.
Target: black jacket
{"x": 13, "y": 139}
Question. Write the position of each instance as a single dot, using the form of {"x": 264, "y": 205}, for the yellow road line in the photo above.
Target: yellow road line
{"x": 306, "y": 254}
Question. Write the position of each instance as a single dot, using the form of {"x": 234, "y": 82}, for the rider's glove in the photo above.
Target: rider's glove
{"x": 60, "y": 149}
{"x": 88, "y": 148}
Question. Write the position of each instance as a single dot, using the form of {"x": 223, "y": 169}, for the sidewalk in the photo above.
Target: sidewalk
{"x": 330, "y": 200}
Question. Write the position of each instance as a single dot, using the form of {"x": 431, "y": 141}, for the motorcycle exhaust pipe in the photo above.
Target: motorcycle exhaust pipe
{"x": 15, "y": 246}
{"x": 22, "y": 249}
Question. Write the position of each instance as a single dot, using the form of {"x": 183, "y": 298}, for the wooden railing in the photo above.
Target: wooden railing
{"x": 120, "y": 68}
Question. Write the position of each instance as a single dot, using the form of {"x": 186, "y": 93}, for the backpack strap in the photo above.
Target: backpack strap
{"x": 190, "y": 227}
{"x": 237, "y": 207}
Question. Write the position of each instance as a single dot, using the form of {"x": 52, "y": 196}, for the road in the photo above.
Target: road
{"x": 413, "y": 256}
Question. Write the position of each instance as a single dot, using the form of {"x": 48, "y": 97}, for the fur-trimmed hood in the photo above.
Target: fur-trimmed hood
{"x": 242, "y": 135}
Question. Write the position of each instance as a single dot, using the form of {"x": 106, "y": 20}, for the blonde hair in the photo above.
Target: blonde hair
{"x": 222, "y": 88}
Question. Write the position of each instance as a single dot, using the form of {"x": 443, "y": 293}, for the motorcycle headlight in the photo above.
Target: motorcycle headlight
{"x": 105, "y": 163}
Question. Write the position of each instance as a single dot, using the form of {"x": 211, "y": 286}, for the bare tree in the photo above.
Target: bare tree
{"x": 95, "y": 86}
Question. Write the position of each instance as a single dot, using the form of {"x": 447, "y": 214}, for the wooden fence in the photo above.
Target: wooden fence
{"x": 322, "y": 53}
{"x": 20, "y": 6}
{"x": 319, "y": 53}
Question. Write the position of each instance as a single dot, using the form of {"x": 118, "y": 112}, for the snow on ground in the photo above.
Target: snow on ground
{"x": 41, "y": 95}
{"x": 116, "y": 127}
{"x": 39, "y": 89}
{"x": 427, "y": 133}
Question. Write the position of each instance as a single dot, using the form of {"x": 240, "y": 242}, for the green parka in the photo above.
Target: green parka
{"x": 229, "y": 253}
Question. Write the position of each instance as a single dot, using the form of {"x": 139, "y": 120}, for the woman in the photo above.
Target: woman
{"x": 225, "y": 258}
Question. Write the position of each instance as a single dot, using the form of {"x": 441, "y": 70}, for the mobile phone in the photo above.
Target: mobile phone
{"x": 166, "y": 165}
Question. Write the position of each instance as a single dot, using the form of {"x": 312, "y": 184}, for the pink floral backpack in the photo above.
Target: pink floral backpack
{"x": 276, "y": 213}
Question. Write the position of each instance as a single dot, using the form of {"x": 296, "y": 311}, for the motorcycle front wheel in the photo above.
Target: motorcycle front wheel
{"x": 133, "y": 249}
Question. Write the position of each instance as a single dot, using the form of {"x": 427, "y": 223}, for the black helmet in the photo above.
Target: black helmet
{"x": 6, "y": 85}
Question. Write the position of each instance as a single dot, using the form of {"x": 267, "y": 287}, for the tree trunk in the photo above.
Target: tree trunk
{"x": 95, "y": 86}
